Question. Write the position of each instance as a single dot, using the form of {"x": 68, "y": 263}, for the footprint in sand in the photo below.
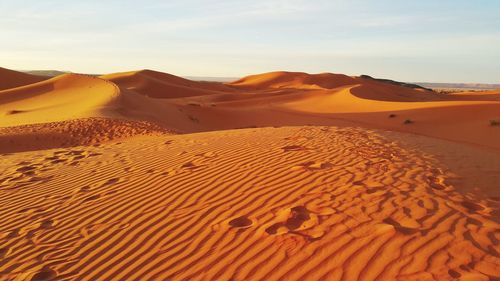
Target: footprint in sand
{"x": 92, "y": 198}
{"x": 275, "y": 229}
{"x": 210, "y": 154}
{"x": 289, "y": 148}
{"x": 26, "y": 169}
{"x": 14, "y": 233}
{"x": 454, "y": 274}
{"x": 40, "y": 179}
{"x": 374, "y": 189}
{"x": 296, "y": 220}
{"x": 436, "y": 183}
{"x": 474, "y": 222}
{"x": 400, "y": 228}
{"x": 472, "y": 207}
{"x": 75, "y": 152}
{"x": 299, "y": 215}
{"x": 45, "y": 274}
{"x": 111, "y": 181}
{"x": 190, "y": 166}
{"x": 84, "y": 189}
{"x": 4, "y": 252}
{"x": 313, "y": 166}
{"x": 47, "y": 224}
{"x": 241, "y": 222}
{"x": 77, "y": 157}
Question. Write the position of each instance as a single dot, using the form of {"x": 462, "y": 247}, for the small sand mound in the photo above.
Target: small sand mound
{"x": 88, "y": 131}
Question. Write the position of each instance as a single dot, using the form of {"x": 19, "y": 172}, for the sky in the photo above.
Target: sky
{"x": 406, "y": 40}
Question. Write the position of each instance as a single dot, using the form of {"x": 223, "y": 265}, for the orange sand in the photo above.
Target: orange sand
{"x": 11, "y": 79}
{"x": 97, "y": 184}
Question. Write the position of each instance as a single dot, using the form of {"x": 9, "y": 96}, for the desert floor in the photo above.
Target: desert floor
{"x": 280, "y": 176}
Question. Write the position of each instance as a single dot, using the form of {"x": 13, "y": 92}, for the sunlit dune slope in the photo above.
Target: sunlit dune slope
{"x": 292, "y": 203}
{"x": 65, "y": 97}
{"x": 162, "y": 85}
{"x": 11, "y": 79}
{"x": 295, "y": 80}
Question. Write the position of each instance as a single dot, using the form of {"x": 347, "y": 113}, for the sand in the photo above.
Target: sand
{"x": 280, "y": 176}
{"x": 11, "y": 79}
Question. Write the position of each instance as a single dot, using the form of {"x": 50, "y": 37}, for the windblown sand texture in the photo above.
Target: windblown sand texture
{"x": 279, "y": 176}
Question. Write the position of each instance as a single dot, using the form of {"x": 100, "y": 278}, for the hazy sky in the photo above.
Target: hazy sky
{"x": 408, "y": 40}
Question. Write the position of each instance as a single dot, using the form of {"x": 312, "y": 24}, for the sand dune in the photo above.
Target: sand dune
{"x": 365, "y": 88}
{"x": 444, "y": 119}
{"x": 11, "y": 79}
{"x": 142, "y": 176}
{"x": 295, "y": 80}
{"x": 62, "y": 98}
{"x": 162, "y": 85}
{"x": 271, "y": 99}
{"x": 326, "y": 204}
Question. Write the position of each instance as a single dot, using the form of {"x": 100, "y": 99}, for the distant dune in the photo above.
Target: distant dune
{"x": 295, "y": 80}
{"x": 457, "y": 86}
{"x": 144, "y": 175}
{"x": 11, "y": 79}
{"x": 162, "y": 85}
{"x": 211, "y": 79}
{"x": 49, "y": 73}
{"x": 460, "y": 86}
